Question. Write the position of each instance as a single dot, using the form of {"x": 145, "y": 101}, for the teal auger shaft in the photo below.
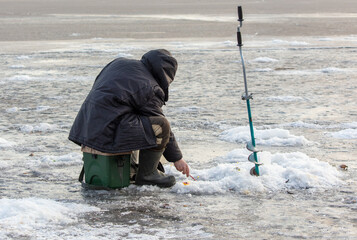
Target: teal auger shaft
{"x": 252, "y": 137}
{"x": 246, "y": 97}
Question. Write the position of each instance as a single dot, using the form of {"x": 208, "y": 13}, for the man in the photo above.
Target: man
{"x": 123, "y": 112}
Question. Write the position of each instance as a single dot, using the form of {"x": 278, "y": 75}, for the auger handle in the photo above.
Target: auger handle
{"x": 240, "y": 14}
{"x": 239, "y": 39}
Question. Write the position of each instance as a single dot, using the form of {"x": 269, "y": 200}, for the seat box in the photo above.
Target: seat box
{"x": 107, "y": 171}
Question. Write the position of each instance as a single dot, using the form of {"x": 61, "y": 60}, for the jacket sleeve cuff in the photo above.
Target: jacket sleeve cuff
{"x": 172, "y": 152}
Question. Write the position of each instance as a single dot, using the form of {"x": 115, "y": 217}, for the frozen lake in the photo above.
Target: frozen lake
{"x": 304, "y": 111}
{"x": 301, "y": 67}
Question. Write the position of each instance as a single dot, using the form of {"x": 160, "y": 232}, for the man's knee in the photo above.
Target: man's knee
{"x": 161, "y": 128}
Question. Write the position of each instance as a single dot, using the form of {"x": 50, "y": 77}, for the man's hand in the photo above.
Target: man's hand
{"x": 182, "y": 166}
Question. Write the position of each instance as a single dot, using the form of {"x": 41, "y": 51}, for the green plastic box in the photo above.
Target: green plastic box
{"x": 107, "y": 171}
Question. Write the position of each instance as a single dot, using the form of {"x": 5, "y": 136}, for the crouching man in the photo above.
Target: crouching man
{"x": 123, "y": 112}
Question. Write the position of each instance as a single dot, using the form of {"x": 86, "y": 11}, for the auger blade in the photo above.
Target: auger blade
{"x": 253, "y": 172}
{"x": 251, "y": 158}
{"x": 252, "y": 148}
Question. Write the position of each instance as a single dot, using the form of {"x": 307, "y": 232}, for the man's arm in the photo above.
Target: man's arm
{"x": 172, "y": 152}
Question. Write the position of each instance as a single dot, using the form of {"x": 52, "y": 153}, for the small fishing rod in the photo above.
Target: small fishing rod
{"x": 246, "y": 97}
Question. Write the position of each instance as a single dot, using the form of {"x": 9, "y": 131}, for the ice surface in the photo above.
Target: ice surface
{"x": 270, "y": 137}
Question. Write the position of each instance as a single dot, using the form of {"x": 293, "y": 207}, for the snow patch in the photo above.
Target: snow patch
{"x": 263, "y": 70}
{"x": 4, "y": 164}
{"x": 74, "y": 34}
{"x": 42, "y": 127}
{"x": 229, "y": 43}
{"x": 12, "y": 110}
{"x": 69, "y": 159}
{"x": 325, "y": 39}
{"x": 301, "y": 124}
{"x": 6, "y": 144}
{"x": 29, "y": 215}
{"x": 349, "y": 125}
{"x": 42, "y": 108}
{"x": 22, "y": 57}
{"x": 345, "y": 134}
{"x": 34, "y": 218}
{"x": 37, "y": 109}
{"x": 17, "y": 66}
{"x": 264, "y": 60}
{"x": 190, "y": 17}
{"x": 189, "y": 109}
{"x": 124, "y": 55}
{"x": 281, "y": 171}
{"x": 285, "y": 99}
{"x": 270, "y": 137}
{"x": 332, "y": 70}
{"x": 291, "y": 43}
{"x": 20, "y": 78}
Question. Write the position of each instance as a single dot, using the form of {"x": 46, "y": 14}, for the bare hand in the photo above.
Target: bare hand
{"x": 182, "y": 166}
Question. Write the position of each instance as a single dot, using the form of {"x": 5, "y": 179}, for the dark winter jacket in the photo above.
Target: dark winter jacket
{"x": 114, "y": 116}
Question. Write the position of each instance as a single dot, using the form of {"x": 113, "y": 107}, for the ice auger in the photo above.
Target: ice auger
{"x": 250, "y": 145}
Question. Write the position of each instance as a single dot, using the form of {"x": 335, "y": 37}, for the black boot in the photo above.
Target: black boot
{"x": 148, "y": 174}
